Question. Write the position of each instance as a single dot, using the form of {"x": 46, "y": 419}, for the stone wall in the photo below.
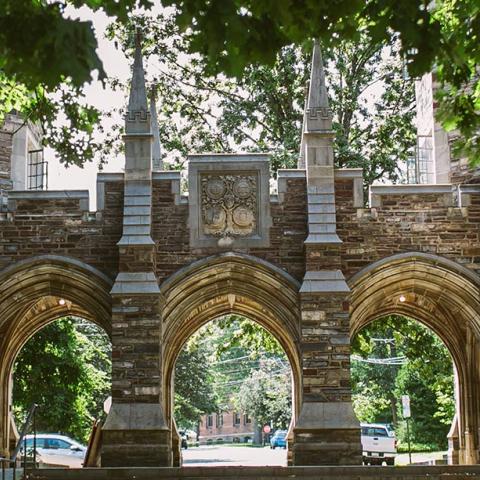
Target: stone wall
{"x": 59, "y": 223}
{"x": 424, "y": 218}
{"x": 50, "y": 223}
{"x": 171, "y": 235}
{"x": 406, "y": 219}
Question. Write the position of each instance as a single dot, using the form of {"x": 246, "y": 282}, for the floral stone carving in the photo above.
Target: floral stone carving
{"x": 229, "y": 204}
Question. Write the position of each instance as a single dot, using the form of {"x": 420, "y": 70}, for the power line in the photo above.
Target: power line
{"x": 402, "y": 360}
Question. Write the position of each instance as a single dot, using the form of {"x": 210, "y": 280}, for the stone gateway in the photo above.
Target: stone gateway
{"x": 310, "y": 263}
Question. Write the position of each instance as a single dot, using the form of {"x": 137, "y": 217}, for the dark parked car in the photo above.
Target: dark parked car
{"x": 279, "y": 439}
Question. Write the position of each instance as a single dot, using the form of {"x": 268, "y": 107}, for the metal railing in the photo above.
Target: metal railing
{"x": 12, "y": 462}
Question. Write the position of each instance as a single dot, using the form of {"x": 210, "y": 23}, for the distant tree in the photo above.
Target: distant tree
{"x": 266, "y": 395}
{"x": 427, "y": 376}
{"x": 65, "y": 369}
{"x": 262, "y": 110}
{"x": 194, "y": 394}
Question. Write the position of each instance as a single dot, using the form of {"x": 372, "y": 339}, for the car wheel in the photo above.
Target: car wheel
{"x": 273, "y": 447}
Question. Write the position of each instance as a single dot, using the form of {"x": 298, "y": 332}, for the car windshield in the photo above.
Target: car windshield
{"x": 281, "y": 434}
{"x": 375, "y": 431}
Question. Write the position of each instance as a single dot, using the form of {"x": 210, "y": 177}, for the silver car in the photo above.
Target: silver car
{"x": 57, "y": 450}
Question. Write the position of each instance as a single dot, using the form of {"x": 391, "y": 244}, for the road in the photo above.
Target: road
{"x": 219, "y": 455}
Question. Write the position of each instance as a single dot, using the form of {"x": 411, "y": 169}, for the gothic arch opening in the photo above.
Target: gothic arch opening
{"x": 222, "y": 285}
{"x": 442, "y": 295}
{"x": 231, "y": 378}
{"x": 395, "y": 356}
{"x": 34, "y": 293}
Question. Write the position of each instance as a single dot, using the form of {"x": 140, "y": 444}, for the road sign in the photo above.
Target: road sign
{"x": 266, "y": 428}
{"x": 406, "y": 406}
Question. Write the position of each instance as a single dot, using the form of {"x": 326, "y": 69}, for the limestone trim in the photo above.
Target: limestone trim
{"x": 229, "y": 201}
{"x": 81, "y": 195}
{"x": 376, "y": 192}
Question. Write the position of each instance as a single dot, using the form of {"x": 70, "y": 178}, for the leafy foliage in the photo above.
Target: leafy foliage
{"x": 427, "y": 377}
{"x": 65, "y": 369}
{"x": 266, "y": 395}
{"x": 262, "y": 110}
{"x": 241, "y": 365}
{"x": 193, "y": 385}
{"x": 233, "y": 37}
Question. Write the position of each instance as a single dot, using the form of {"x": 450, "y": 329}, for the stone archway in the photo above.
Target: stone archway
{"x": 445, "y": 297}
{"x": 220, "y": 285}
{"x": 35, "y": 292}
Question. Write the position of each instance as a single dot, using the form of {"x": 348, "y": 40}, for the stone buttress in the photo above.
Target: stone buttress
{"x": 135, "y": 432}
{"x": 327, "y": 431}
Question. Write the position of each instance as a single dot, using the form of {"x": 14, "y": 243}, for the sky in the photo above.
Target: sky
{"x": 115, "y": 64}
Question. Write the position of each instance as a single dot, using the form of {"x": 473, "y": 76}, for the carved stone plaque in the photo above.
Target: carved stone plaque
{"x": 229, "y": 204}
{"x": 229, "y": 200}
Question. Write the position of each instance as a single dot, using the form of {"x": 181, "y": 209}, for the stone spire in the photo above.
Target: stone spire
{"x": 138, "y": 161}
{"x": 156, "y": 148}
{"x": 318, "y": 139}
{"x": 319, "y": 115}
{"x": 136, "y": 119}
{"x": 138, "y": 136}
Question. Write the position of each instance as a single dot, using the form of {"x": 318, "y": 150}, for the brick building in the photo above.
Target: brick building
{"x": 226, "y": 427}
{"x": 312, "y": 264}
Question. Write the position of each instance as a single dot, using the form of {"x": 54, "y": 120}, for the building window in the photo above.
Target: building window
{"x": 37, "y": 171}
{"x": 209, "y": 421}
{"x": 236, "y": 418}
{"x": 246, "y": 419}
{"x": 219, "y": 419}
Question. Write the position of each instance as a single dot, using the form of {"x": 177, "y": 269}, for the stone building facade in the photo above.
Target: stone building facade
{"x": 312, "y": 264}
{"x": 435, "y": 161}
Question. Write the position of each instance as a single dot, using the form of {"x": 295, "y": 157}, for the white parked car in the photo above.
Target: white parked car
{"x": 378, "y": 444}
{"x": 57, "y": 450}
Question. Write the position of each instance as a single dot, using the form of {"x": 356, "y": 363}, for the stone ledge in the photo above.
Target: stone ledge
{"x": 81, "y": 195}
{"x": 410, "y": 189}
{"x": 166, "y": 175}
{"x": 377, "y": 191}
{"x": 110, "y": 177}
{"x": 227, "y": 157}
{"x": 135, "y": 283}
{"x": 48, "y": 194}
{"x": 324, "y": 281}
{"x": 348, "y": 173}
{"x": 291, "y": 173}
{"x": 350, "y": 472}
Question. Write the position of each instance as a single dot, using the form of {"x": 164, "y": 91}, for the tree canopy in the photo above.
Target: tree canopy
{"x": 232, "y": 35}
{"x": 66, "y": 370}
{"x": 422, "y": 368}
{"x": 263, "y": 110}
